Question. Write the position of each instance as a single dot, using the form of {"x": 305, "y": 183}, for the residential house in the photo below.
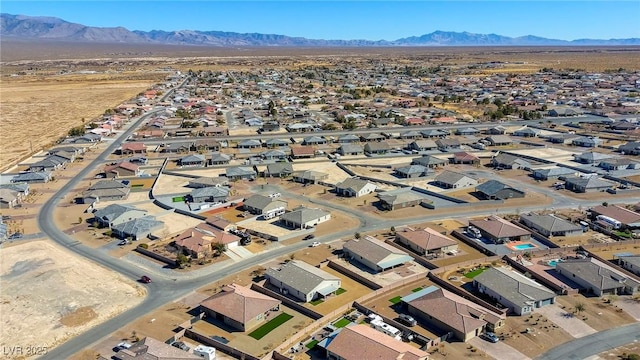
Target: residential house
{"x": 240, "y": 307}
{"x": 497, "y": 130}
{"x": 591, "y": 157}
{"x": 372, "y": 137}
{"x": 630, "y": 263}
{"x": 240, "y": 173}
{"x": 121, "y": 169}
{"x": 348, "y": 139}
{"x": 423, "y": 145}
{"x": 412, "y": 171}
{"x": 260, "y": 204}
{"x": 303, "y": 152}
{"x": 354, "y": 187}
{"x": 614, "y": 164}
{"x": 350, "y": 149}
{"x": 401, "y": 198}
{"x": 587, "y": 184}
{"x": 193, "y": 160}
{"x": 206, "y": 145}
{"x": 50, "y": 163}
{"x": 448, "y": 144}
{"x": 434, "y": 133}
{"x": 364, "y": 342}
{"x": 453, "y": 180}
{"x": 374, "y": 254}
{"x": 426, "y": 241}
{"x": 276, "y": 143}
{"x": 21, "y": 188}
{"x": 499, "y": 230}
{"x": 309, "y": 176}
{"x": 628, "y": 218}
{"x": 499, "y": 140}
{"x": 513, "y": 290}
{"x": 597, "y": 278}
{"x": 305, "y": 218}
{"x": 467, "y": 131}
{"x": 32, "y": 177}
{"x": 302, "y": 281}
{"x": 218, "y": 158}
{"x": 116, "y": 214}
{"x": 550, "y": 225}
{"x": 274, "y": 154}
{"x": 197, "y": 242}
{"x": 412, "y": 134}
{"x": 449, "y": 312}
{"x": 129, "y": 148}
{"x": 299, "y": 127}
{"x": 630, "y": 148}
{"x": 149, "y": 348}
{"x": 527, "y": 132}
{"x": 463, "y": 157}
{"x": 314, "y": 140}
{"x": 565, "y": 139}
{"x": 216, "y": 194}
{"x": 249, "y": 144}
{"x": 8, "y": 198}
{"x": 377, "y": 148}
{"x": 382, "y": 122}
{"x": 279, "y": 169}
{"x": 587, "y": 141}
{"x": 555, "y": 172}
{"x": 508, "y": 161}
{"x": 179, "y": 148}
{"x": 106, "y": 190}
{"x": 138, "y": 228}
{"x": 205, "y": 181}
{"x": 429, "y": 161}
{"x": 496, "y": 190}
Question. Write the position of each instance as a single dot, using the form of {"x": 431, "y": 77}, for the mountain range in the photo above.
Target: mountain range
{"x": 51, "y": 28}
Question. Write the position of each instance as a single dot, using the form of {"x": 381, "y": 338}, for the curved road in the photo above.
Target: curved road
{"x": 164, "y": 290}
{"x": 593, "y": 344}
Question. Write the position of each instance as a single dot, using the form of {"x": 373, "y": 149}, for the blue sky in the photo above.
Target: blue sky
{"x": 370, "y": 20}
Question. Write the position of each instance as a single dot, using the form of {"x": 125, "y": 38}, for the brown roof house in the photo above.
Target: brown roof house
{"x": 149, "y": 348}
{"x": 450, "y": 312}
{"x": 133, "y": 148}
{"x": 499, "y": 230}
{"x": 240, "y": 307}
{"x": 426, "y": 241}
{"x": 120, "y": 169}
{"x": 360, "y": 342}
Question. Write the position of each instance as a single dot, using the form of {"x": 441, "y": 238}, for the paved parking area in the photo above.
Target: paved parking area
{"x": 498, "y": 350}
{"x": 574, "y": 326}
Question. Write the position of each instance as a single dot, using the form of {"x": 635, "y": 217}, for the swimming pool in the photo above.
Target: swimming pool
{"x": 524, "y": 246}
{"x": 553, "y": 262}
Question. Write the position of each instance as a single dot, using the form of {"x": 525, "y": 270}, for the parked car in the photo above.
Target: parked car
{"x": 16, "y": 235}
{"x": 489, "y": 336}
{"x": 123, "y": 345}
{"x": 124, "y": 242}
{"x": 407, "y": 320}
{"x": 145, "y": 279}
{"x": 309, "y": 237}
{"x": 314, "y": 244}
{"x": 180, "y": 345}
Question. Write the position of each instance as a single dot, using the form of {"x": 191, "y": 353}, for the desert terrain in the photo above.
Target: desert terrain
{"x": 59, "y": 294}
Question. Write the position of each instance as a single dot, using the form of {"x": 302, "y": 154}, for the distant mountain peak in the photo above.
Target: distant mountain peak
{"x": 43, "y": 27}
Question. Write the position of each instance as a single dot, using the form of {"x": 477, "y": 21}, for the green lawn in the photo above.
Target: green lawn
{"x": 263, "y": 330}
{"x": 395, "y": 300}
{"x": 311, "y": 344}
{"x": 416, "y": 289}
{"x": 474, "y": 273}
{"x": 178, "y": 199}
{"x": 316, "y": 302}
{"x": 340, "y": 291}
{"x": 341, "y": 323}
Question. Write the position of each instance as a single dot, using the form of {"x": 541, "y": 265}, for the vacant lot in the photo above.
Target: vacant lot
{"x": 37, "y": 110}
{"x": 57, "y": 293}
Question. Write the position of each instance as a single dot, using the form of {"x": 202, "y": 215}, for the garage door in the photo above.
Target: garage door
{"x": 546, "y": 302}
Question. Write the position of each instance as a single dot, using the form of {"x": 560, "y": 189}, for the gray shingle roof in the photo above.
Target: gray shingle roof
{"x": 32, "y": 176}
{"x": 136, "y": 226}
{"x": 240, "y": 171}
{"x": 592, "y": 271}
{"x": 354, "y": 184}
{"x": 210, "y": 191}
{"x": 300, "y": 276}
{"x": 513, "y": 287}
{"x": 303, "y": 215}
{"x": 114, "y": 211}
{"x": 492, "y": 187}
{"x": 551, "y": 223}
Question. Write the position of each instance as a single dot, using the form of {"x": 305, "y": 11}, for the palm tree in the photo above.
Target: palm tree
{"x": 579, "y": 307}
{"x": 219, "y": 248}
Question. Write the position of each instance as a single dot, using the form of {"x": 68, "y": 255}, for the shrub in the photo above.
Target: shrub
{"x": 143, "y": 246}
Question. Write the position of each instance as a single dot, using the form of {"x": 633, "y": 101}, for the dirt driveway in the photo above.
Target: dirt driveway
{"x": 498, "y": 350}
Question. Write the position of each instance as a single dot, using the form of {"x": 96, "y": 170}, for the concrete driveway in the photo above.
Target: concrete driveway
{"x": 498, "y": 350}
{"x": 574, "y": 326}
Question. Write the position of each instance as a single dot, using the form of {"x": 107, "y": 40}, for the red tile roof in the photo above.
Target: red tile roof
{"x": 427, "y": 238}
{"x": 240, "y": 303}
{"x": 360, "y": 342}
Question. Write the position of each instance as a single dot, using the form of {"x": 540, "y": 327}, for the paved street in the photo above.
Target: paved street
{"x": 569, "y": 323}
{"x": 498, "y": 350}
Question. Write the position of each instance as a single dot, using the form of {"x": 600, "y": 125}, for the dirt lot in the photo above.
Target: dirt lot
{"x": 53, "y": 104}
{"x": 608, "y": 252}
{"x": 335, "y": 174}
{"x": 597, "y": 314}
{"x": 543, "y": 334}
{"x": 65, "y": 295}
